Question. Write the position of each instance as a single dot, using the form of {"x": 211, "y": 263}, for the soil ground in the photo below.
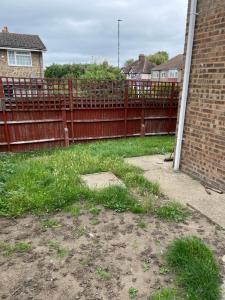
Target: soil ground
{"x": 131, "y": 255}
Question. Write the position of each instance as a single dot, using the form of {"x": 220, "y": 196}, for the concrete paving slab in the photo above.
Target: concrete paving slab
{"x": 181, "y": 187}
{"x": 101, "y": 180}
{"x": 147, "y": 163}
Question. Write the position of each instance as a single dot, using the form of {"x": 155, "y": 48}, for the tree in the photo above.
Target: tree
{"x": 84, "y": 71}
{"x": 128, "y": 62}
{"x": 101, "y": 71}
{"x": 158, "y": 58}
{"x": 66, "y": 70}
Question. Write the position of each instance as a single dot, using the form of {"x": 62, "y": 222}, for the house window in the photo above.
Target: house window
{"x": 19, "y": 58}
{"x": 173, "y": 74}
{"x": 155, "y": 74}
{"x": 163, "y": 74}
{"x": 133, "y": 76}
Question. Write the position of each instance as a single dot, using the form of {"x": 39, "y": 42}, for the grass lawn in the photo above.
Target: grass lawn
{"x": 196, "y": 268}
{"x": 41, "y": 182}
{"x": 73, "y": 246}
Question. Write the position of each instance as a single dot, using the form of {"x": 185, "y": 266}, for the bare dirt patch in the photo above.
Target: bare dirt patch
{"x": 94, "y": 256}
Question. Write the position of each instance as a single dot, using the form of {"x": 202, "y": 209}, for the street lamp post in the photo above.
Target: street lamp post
{"x": 119, "y": 20}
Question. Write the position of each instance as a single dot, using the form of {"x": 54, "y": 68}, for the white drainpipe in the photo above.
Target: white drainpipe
{"x": 187, "y": 69}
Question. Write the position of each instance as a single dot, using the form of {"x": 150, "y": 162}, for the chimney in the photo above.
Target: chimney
{"x": 141, "y": 57}
{"x": 5, "y": 29}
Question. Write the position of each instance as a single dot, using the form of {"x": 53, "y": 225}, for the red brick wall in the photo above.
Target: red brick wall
{"x": 203, "y": 153}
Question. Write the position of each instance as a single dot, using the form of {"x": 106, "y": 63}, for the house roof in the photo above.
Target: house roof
{"x": 21, "y": 41}
{"x": 176, "y": 62}
{"x": 140, "y": 66}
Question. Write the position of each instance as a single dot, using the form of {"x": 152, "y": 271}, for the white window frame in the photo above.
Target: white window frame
{"x": 155, "y": 74}
{"x": 17, "y": 53}
{"x": 164, "y": 74}
{"x": 173, "y": 73}
{"x": 133, "y": 75}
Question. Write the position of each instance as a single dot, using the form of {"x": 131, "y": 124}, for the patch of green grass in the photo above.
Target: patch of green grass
{"x": 144, "y": 186}
{"x": 45, "y": 181}
{"x": 145, "y": 266}
{"x": 9, "y": 249}
{"x": 157, "y": 241}
{"x": 86, "y": 262}
{"x": 196, "y": 269}
{"x": 119, "y": 199}
{"x": 74, "y": 210}
{"x": 95, "y": 210}
{"x": 56, "y": 246}
{"x": 81, "y": 231}
{"x": 171, "y": 211}
{"x": 131, "y": 147}
{"x": 163, "y": 270}
{"x": 141, "y": 224}
{"x": 103, "y": 274}
{"x": 50, "y": 223}
{"x": 165, "y": 294}
{"x": 132, "y": 292}
{"x": 94, "y": 221}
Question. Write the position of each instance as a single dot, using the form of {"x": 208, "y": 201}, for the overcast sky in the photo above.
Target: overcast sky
{"x": 86, "y": 30}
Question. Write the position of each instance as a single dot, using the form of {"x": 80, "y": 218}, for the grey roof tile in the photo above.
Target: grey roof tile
{"x": 21, "y": 41}
{"x": 176, "y": 62}
{"x": 140, "y": 66}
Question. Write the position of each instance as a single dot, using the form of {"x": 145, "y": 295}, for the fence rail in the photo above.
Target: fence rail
{"x": 40, "y": 113}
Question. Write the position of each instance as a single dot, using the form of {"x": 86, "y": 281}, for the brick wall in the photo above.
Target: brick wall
{"x": 203, "y": 153}
{"x": 12, "y": 71}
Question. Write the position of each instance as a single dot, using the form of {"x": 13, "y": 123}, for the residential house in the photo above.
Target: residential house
{"x": 21, "y": 55}
{"x": 139, "y": 69}
{"x": 169, "y": 71}
{"x": 203, "y": 140}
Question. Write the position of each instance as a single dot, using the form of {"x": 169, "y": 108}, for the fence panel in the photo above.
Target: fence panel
{"x": 43, "y": 113}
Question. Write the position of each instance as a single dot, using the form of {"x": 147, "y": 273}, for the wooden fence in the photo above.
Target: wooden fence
{"x": 44, "y": 113}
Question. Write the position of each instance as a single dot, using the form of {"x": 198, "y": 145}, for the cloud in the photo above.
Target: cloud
{"x": 80, "y": 31}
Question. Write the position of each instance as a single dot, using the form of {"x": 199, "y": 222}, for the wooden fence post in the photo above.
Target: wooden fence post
{"x": 4, "y": 115}
{"x": 65, "y": 129}
{"x": 142, "y": 111}
{"x": 170, "y": 108}
{"x": 64, "y": 120}
{"x": 1, "y": 89}
{"x": 126, "y": 84}
{"x": 70, "y": 89}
